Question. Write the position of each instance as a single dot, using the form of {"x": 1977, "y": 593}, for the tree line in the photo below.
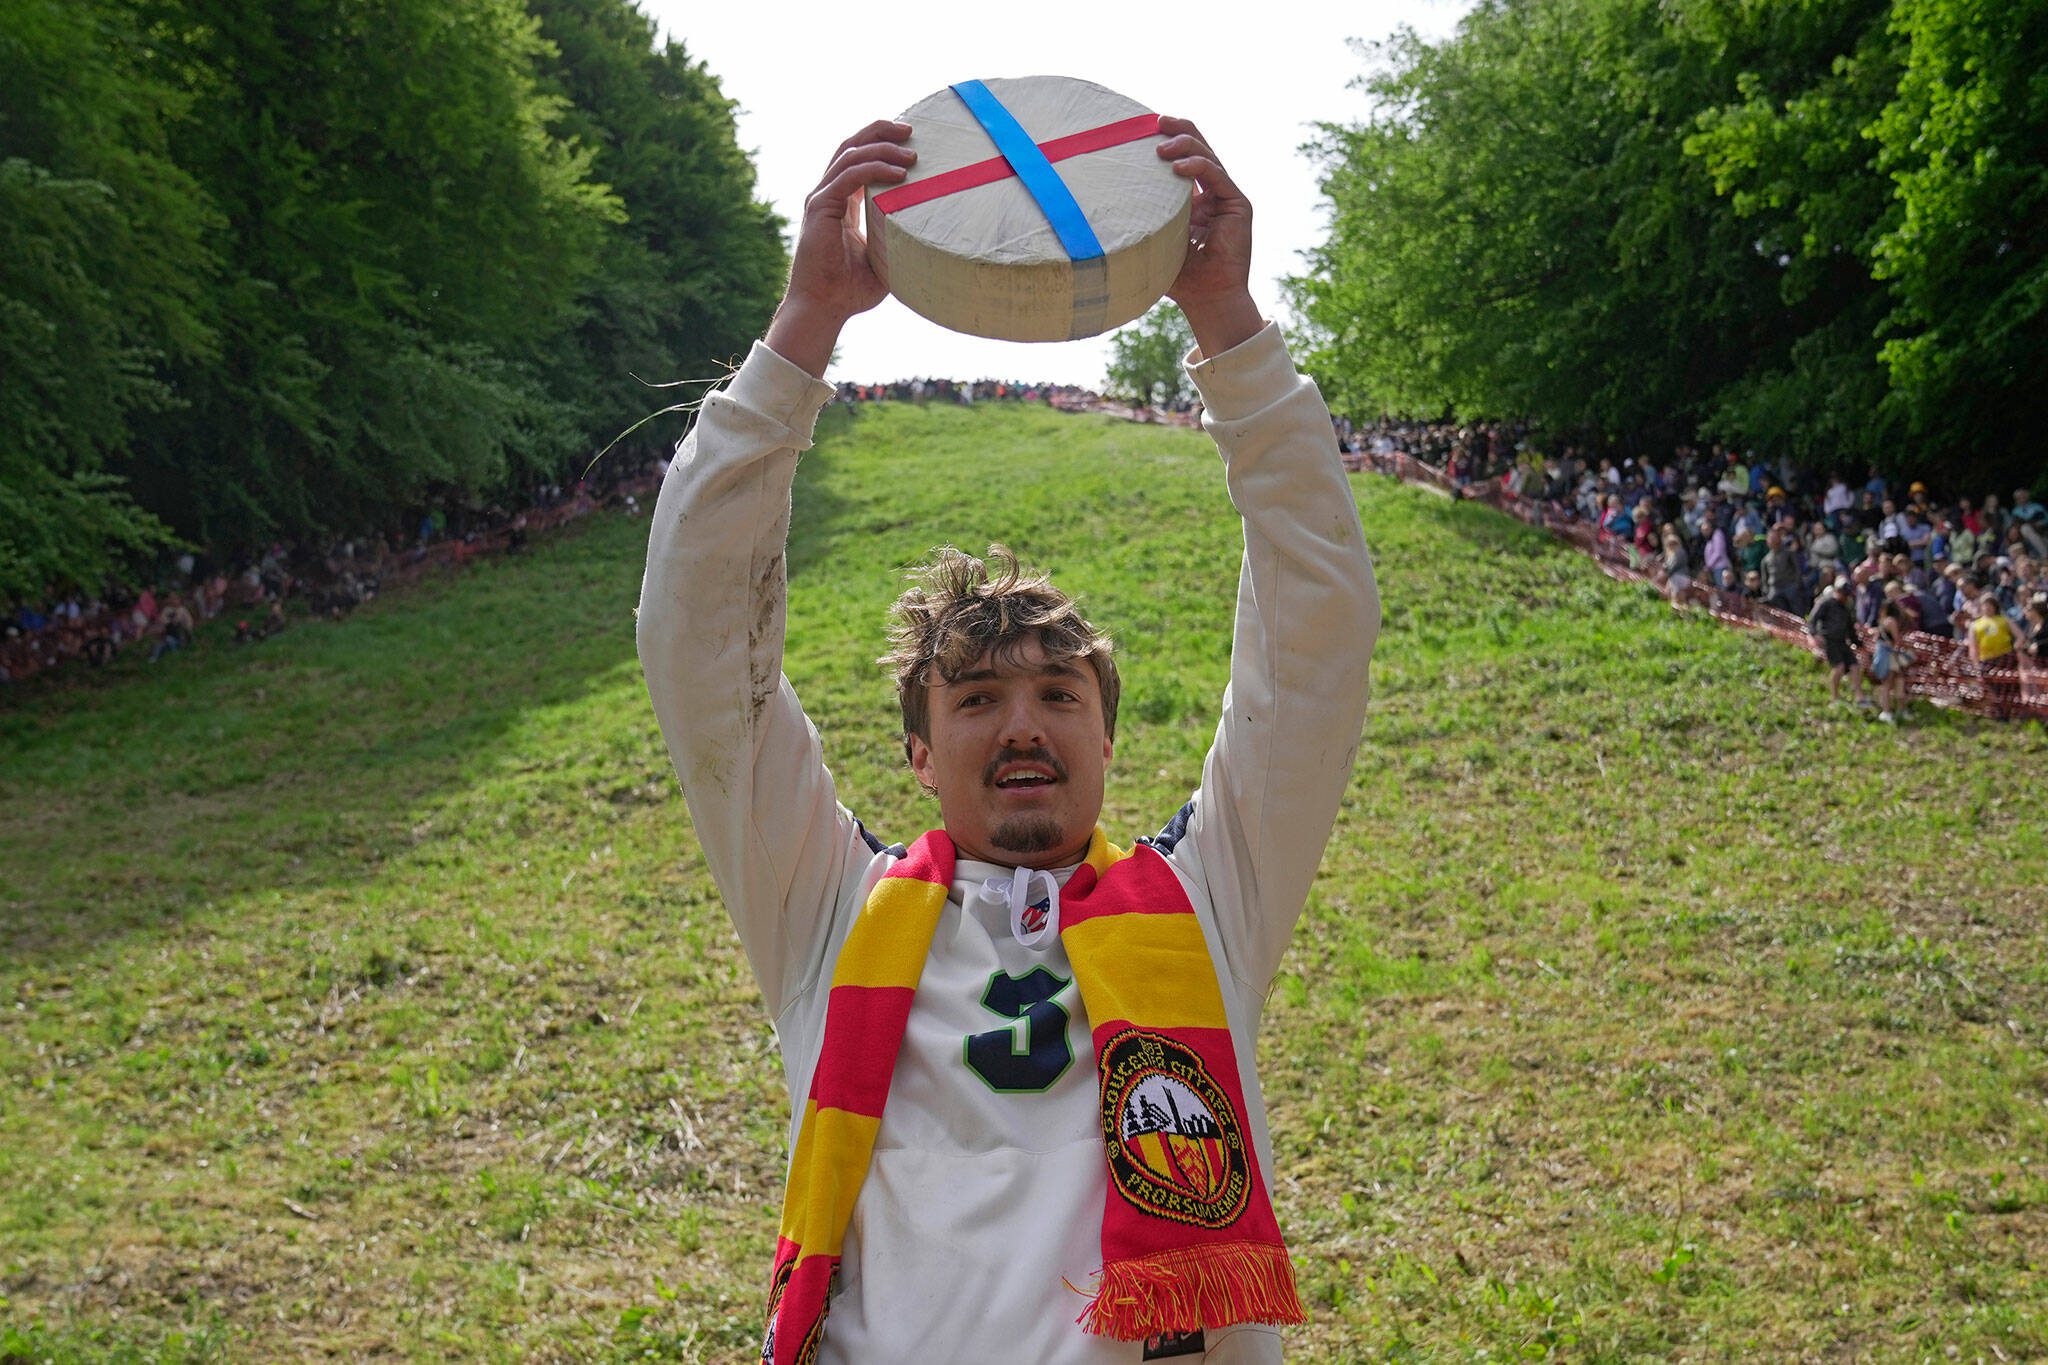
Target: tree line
{"x": 300, "y": 268}
{"x": 1815, "y": 228}
{"x": 1145, "y": 358}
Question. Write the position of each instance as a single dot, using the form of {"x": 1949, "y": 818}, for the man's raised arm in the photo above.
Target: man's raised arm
{"x": 1307, "y": 608}
{"x": 712, "y": 606}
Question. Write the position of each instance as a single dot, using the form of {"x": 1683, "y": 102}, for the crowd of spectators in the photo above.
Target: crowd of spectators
{"x": 924, "y": 390}
{"x": 1065, "y": 397}
{"x": 1867, "y": 565}
{"x": 1885, "y": 555}
{"x": 333, "y": 579}
{"x": 261, "y": 591}
{"x": 164, "y": 616}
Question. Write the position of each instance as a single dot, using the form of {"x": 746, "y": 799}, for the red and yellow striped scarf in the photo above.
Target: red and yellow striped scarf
{"x": 1189, "y": 1240}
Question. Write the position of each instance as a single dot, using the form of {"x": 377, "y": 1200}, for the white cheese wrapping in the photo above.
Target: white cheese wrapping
{"x": 986, "y": 260}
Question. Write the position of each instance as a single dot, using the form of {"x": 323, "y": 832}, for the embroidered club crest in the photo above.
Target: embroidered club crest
{"x": 1175, "y": 1145}
{"x": 808, "y": 1353}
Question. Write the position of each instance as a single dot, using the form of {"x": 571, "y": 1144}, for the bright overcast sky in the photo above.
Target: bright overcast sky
{"x": 1255, "y": 76}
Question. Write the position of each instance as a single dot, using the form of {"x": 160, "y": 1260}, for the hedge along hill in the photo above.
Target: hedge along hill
{"x": 365, "y": 993}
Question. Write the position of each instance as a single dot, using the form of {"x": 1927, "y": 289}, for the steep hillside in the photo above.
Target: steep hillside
{"x": 363, "y": 992}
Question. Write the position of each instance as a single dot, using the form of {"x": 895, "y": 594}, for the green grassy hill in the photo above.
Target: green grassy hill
{"x": 363, "y": 993}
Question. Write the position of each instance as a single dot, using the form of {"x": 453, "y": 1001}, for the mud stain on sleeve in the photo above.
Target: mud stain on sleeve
{"x": 764, "y": 664}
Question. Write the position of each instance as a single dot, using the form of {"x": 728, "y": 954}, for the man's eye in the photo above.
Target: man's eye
{"x": 1060, "y": 694}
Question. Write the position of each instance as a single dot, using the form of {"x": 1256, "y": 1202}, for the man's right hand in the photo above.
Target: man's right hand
{"x": 830, "y": 279}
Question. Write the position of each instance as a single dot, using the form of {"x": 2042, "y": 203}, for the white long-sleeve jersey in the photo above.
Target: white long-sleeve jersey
{"x": 985, "y": 1196}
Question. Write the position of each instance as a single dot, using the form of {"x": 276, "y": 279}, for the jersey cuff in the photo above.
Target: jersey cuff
{"x": 776, "y": 389}
{"x": 1244, "y": 379}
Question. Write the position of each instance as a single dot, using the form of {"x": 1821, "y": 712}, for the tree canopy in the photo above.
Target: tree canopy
{"x": 103, "y": 254}
{"x": 1810, "y": 228}
{"x": 306, "y": 269}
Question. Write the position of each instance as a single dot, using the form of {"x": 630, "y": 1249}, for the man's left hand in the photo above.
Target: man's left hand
{"x": 1214, "y": 285}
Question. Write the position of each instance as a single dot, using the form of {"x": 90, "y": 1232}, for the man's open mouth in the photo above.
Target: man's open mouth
{"x": 1022, "y": 770}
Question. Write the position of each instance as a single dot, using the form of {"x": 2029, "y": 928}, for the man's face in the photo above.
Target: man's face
{"x": 1017, "y": 754}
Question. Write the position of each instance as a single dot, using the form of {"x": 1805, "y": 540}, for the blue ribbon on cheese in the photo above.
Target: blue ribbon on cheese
{"x": 1043, "y": 183}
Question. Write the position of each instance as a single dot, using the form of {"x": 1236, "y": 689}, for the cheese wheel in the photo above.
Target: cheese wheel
{"x": 992, "y": 260}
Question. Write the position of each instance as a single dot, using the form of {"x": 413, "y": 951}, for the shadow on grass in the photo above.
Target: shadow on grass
{"x": 298, "y": 762}
{"x": 1484, "y": 526}
{"x": 137, "y": 796}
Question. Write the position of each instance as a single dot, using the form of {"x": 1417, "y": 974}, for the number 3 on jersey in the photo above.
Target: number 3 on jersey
{"x": 1033, "y": 1052}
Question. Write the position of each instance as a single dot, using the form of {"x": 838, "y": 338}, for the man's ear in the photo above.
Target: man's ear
{"x": 921, "y": 763}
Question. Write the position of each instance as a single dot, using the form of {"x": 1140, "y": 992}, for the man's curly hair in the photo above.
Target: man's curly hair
{"x": 954, "y": 612}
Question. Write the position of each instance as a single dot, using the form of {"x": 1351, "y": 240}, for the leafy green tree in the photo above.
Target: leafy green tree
{"x": 1903, "y": 180}
{"x": 1145, "y": 358}
{"x": 690, "y": 274}
{"x": 1964, "y": 141}
{"x": 301, "y": 268}
{"x": 405, "y": 231}
{"x": 1517, "y": 230}
{"x": 102, "y": 260}
{"x": 1814, "y": 229}
{"x": 1789, "y": 159}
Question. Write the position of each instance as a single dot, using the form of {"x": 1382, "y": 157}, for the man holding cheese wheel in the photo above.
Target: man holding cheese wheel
{"x": 1026, "y": 1121}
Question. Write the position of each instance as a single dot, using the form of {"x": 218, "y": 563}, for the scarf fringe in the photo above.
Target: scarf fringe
{"x": 1187, "y": 1289}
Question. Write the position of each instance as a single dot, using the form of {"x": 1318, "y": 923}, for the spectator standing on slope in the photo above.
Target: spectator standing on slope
{"x": 1781, "y": 572}
{"x": 1835, "y": 623}
{"x": 1716, "y": 553}
{"x": 2032, "y": 520}
{"x": 1839, "y": 498}
{"x": 176, "y": 623}
{"x": 1888, "y": 661}
{"x": 1991, "y": 634}
{"x": 1677, "y": 563}
{"x": 2035, "y": 625}
{"x": 1824, "y": 553}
